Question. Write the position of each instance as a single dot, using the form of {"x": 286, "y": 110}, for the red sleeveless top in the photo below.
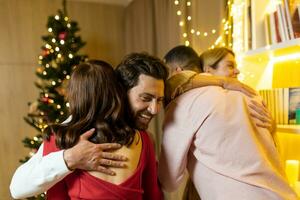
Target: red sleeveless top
{"x": 143, "y": 184}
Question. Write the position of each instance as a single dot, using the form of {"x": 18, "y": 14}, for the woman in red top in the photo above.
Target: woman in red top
{"x": 97, "y": 100}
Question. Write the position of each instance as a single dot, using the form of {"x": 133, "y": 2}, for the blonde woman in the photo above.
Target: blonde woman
{"x": 228, "y": 153}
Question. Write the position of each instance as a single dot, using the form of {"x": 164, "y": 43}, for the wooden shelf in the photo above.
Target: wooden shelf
{"x": 280, "y": 49}
{"x": 282, "y": 128}
{"x": 259, "y": 71}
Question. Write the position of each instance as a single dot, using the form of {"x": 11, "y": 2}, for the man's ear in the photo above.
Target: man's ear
{"x": 178, "y": 69}
{"x": 207, "y": 69}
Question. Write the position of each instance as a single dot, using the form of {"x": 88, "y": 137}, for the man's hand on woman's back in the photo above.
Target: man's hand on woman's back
{"x": 96, "y": 157}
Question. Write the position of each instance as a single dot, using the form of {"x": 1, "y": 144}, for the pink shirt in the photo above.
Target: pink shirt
{"x": 209, "y": 132}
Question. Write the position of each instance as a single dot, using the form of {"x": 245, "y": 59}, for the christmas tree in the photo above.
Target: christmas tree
{"x": 59, "y": 55}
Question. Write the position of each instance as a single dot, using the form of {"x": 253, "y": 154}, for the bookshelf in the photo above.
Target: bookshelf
{"x": 284, "y": 128}
{"x": 266, "y": 65}
{"x": 272, "y": 66}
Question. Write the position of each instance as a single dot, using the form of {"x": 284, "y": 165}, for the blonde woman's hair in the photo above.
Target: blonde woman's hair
{"x": 212, "y": 57}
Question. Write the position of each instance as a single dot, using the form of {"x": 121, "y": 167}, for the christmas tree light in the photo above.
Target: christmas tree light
{"x": 58, "y": 57}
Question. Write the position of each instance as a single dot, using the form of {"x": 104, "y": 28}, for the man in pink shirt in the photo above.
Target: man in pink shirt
{"x": 209, "y": 132}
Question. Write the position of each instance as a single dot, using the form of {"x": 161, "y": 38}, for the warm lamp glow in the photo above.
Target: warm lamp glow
{"x": 292, "y": 171}
{"x": 294, "y": 56}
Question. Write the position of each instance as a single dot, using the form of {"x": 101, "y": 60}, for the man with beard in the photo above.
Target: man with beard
{"x": 143, "y": 77}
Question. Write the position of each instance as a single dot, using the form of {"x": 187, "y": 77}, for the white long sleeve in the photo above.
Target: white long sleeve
{"x": 38, "y": 174}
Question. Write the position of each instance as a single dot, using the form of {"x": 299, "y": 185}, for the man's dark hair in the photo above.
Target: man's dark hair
{"x": 184, "y": 57}
{"x": 135, "y": 64}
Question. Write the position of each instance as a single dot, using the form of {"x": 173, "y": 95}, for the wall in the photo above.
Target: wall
{"x": 22, "y": 23}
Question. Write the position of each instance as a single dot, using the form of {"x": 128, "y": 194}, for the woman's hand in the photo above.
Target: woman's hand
{"x": 234, "y": 84}
{"x": 260, "y": 112}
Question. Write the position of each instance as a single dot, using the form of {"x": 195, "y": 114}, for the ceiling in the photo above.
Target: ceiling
{"x": 113, "y": 2}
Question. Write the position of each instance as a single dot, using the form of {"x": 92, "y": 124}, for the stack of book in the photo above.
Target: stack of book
{"x": 284, "y": 22}
{"x": 283, "y": 103}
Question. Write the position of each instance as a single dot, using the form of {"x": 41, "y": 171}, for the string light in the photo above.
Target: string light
{"x": 44, "y": 73}
{"x": 40, "y": 57}
{"x": 59, "y": 55}
{"x": 48, "y": 46}
{"x": 50, "y": 29}
{"x": 53, "y": 83}
{"x": 68, "y": 77}
{"x": 70, "y": 55}
{"x": 66, "y": 18}
{"x": 69, "y": 25}
{"x": 62, "y": 42}
{"x": 47, "y": 65}
{"x": 56, "y": 17}
{"x": 61, "y": 113}
{"x": 188, "y": 20}
{"x": 68, "y": 104}
{"x": 56, "y": 48}
{"x": 51, "y": 51}
{"x": 226, "y": 31}
{"x": 58, "y": 106}
{"x": 53, "y": 40}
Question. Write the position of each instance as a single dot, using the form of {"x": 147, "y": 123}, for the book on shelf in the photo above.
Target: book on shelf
{"x": 294, "y": 104}
{"x": 269, "y": 37}
{"x": 287, "y": 15}
{"x": 283, "y": 23}
{"x": 282, "y": 103}
{"x": 248, "y": 17}
{"x": 294, "y": 9}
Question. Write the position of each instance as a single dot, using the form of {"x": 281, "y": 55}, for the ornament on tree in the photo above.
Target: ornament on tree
{"x": 45, "y": 52}
{"x": 62, "y": 35}
{"x": 45, "y": 100}
{"x": 54, "y": 64}
{"x": 39, "y": 70}
{"x": 62, "y": 89}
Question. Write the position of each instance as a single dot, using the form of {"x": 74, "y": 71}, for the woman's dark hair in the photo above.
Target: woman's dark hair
{"x": 97, "y": 100}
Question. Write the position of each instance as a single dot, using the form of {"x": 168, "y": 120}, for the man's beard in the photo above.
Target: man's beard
{"x": 142, "y": 120}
